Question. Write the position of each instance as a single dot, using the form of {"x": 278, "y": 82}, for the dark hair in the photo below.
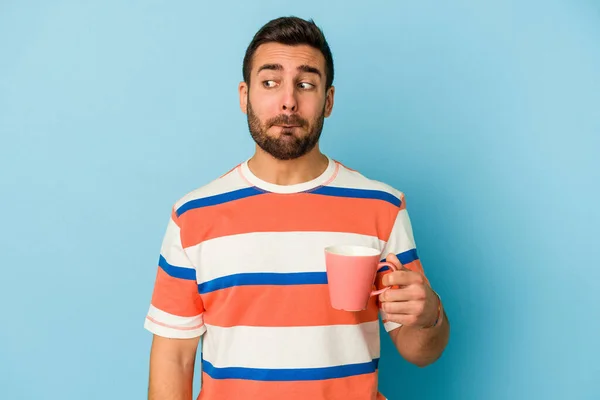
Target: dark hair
{"x": 290, "y": 31}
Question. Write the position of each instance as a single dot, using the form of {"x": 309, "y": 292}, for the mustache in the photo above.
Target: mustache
{"x": 287, "y": 120}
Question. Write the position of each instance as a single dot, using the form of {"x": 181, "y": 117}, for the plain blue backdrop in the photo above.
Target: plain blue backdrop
{"x": 485, "y": 113}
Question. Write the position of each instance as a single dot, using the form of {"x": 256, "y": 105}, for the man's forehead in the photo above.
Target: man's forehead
{"x": 287, "y": 56}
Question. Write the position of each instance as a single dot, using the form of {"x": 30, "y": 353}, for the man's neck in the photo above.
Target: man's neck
{"x": 288, "y": 172}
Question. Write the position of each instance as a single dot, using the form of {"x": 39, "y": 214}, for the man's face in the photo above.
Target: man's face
{"x": 286, "y": 102}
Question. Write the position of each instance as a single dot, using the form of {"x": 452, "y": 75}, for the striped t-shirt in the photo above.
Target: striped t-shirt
{"x": 242, "y": 263}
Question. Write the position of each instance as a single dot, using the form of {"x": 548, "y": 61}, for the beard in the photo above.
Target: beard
{"x": 288, "y": 145}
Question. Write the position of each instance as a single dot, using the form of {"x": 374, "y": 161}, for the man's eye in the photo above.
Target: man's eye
{"x": 306, "y": 85}
{"x": 269, "y": 84}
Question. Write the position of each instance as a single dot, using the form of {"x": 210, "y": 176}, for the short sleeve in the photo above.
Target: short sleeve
{"x": 176, "y": 309}
{"x": 401, "y": 242}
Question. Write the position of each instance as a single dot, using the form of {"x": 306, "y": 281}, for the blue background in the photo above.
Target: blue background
{"x": 486, "y": 114}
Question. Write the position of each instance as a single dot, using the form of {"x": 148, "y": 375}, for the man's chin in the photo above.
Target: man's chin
{"x": 283, "y": 151}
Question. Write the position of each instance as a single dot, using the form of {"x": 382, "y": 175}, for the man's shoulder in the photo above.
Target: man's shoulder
{"x": 353, "y": 179}
{"x": 226, "y": 183}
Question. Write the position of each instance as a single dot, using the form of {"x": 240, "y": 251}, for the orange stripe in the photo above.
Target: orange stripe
{"x": 176, "y": 296}
{"x": 297, "y": 305}
{"x": 402, "y": 203}
{"x": 274, "y": 212}
{"x": 353, "y": 387}
{"x": 415, "y": 266}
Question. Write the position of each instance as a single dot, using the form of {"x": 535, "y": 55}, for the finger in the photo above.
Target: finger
{"x": 403, "y": 319}
{"x": 408, "y": 293}
{"x": 403, "y": 278}
{"x": 402, "y": 307}
{"x": 391, "y": 258}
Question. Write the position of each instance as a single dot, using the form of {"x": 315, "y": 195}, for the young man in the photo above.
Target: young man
{"x": 242, "y": 263}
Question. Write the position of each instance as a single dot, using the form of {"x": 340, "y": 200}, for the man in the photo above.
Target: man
{"x": 242, "y": 262}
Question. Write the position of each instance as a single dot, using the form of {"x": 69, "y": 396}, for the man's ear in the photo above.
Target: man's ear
{"x": 329, "y": 101}
{"x": 243, "y": 89}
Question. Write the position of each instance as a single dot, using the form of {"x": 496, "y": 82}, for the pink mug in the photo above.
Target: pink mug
{"x": 351, "y": 272}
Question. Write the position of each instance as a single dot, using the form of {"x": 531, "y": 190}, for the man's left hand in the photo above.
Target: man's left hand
{"x": 413, "y": 303}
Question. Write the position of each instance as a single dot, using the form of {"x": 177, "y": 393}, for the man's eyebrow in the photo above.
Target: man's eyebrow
{"x": 272, "y": 67}
{"x": 302, "y": 68}
{"x": 310, "y": 70}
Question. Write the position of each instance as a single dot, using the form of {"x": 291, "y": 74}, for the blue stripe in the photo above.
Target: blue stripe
{"x": 358, "y": 193}
{"x": 264, "y": 278}
{"x": 405, "y": 258}
{"x": 408, "y": 256}
{"x": 305, "y": 374}
{"x": 177, "y": 272}
{"x": 218, "y": 199}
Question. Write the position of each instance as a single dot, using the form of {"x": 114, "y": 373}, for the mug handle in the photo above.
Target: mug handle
{"x": 392, "y": 268}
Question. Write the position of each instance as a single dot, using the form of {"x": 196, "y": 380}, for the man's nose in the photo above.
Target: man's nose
{"x": 289, "y": 102}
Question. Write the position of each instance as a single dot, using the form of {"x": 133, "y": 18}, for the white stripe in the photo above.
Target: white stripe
{"x": 171, "y": 333}
{"x": 270, "y": 252}
{"x": 174, "y": 320}
{"x": 355, "y": 180}
{"x": 294, "y": 188}
{"x": 228, "y": 183}
{"x": 291, "y": 347}
{"x": 401, "y": 239}
{"x": 390, "y": 326}
{"x": 404, "y": 220}
{"x": 171, "y": 248}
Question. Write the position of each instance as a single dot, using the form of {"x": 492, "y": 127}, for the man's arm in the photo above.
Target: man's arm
{"x": 410, "y": 307}
{"x": 175, "y": 317}
{"x": 422, "y": 346}
{"x": 172, "y": 368}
